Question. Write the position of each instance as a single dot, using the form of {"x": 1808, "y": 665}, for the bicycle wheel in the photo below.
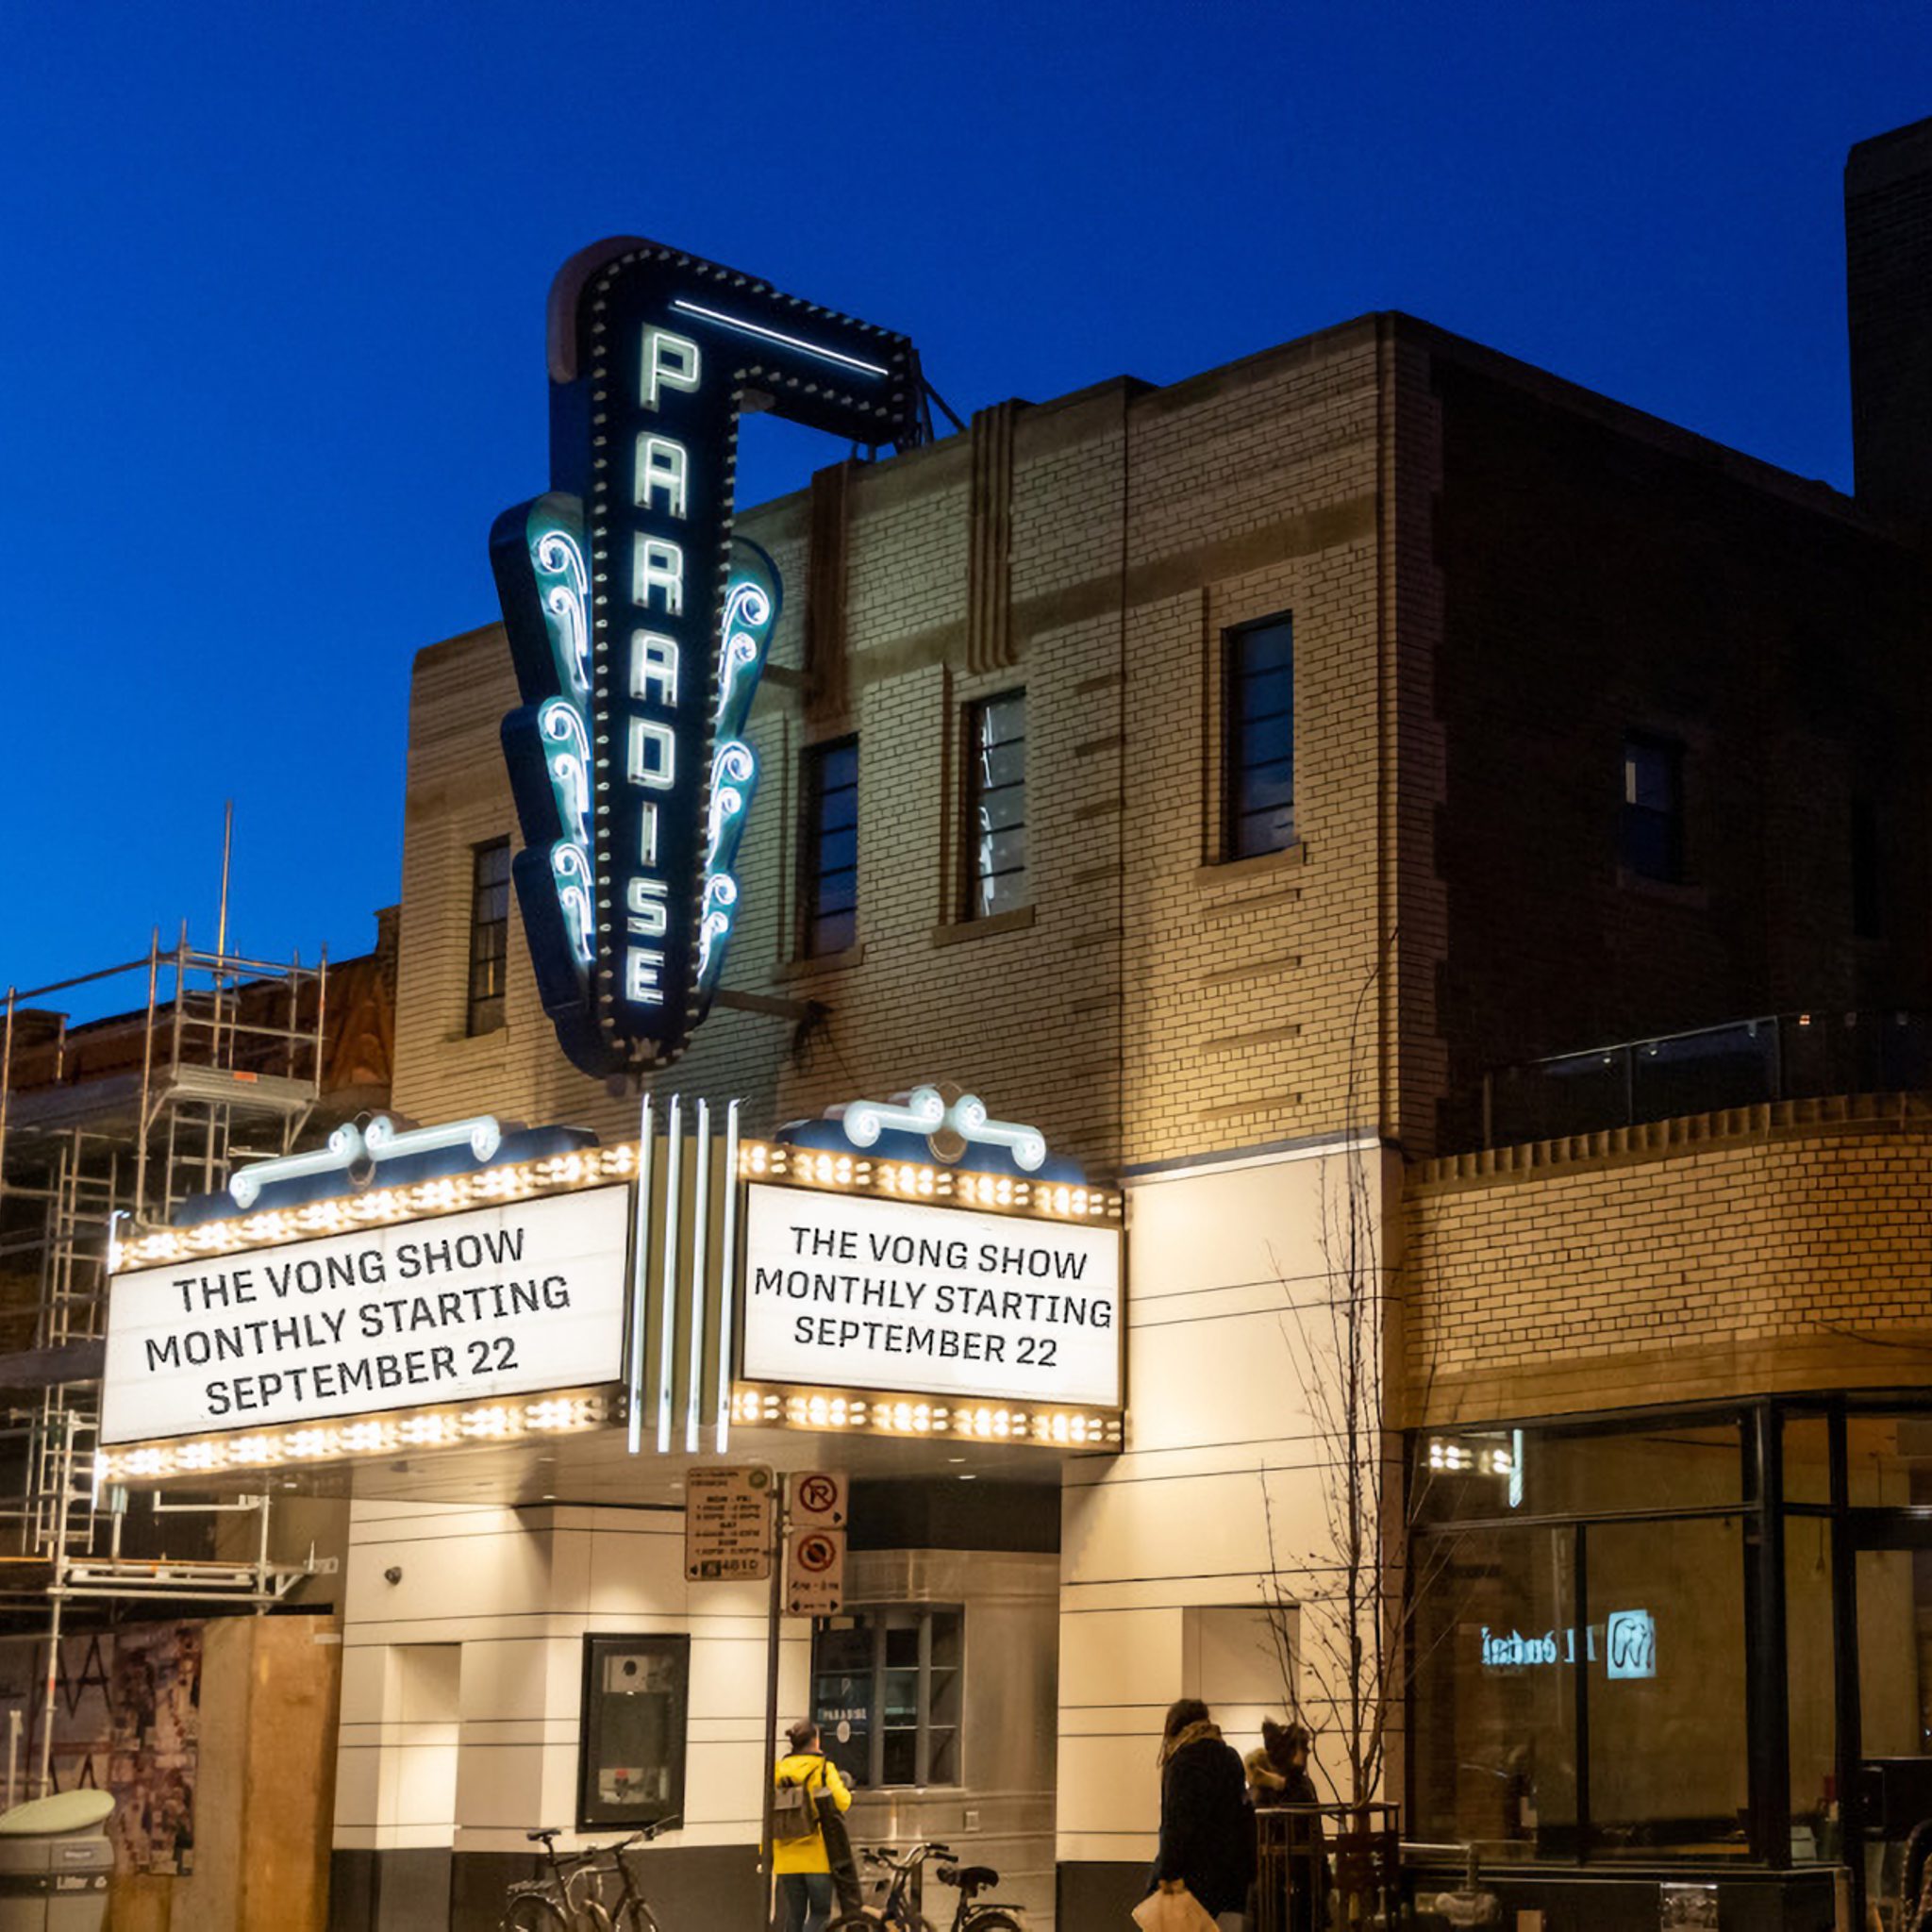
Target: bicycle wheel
{"x": 871, "y": 1920}
{"x": 994, "y": 1922}
{"x": 533, "y": 1913}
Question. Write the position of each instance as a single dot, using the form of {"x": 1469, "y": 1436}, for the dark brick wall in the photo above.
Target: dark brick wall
{"x": 1889, "y": 307}
{"x": 1598, "y": 577}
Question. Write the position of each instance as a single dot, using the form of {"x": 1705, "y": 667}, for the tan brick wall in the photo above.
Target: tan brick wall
{"x": 1773, "y": 1248}
{"x": 1156, "y": 1004}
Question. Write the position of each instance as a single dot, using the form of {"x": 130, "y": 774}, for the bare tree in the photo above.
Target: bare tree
{"x": 1340, "y": 1617}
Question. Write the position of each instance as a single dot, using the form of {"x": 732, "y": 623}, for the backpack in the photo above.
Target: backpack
{"x": 794, "y": 1814}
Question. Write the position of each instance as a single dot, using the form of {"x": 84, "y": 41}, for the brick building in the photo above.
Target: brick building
{"x": 1377, "y": 772}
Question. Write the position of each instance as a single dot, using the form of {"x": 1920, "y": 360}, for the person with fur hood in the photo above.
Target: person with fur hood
{"x": 1278, "y": 1774}
{"x": 1207, "y": 1830}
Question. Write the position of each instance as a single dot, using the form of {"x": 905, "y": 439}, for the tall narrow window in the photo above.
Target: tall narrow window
{"x": 829, "y": 874}
{"x": 1257, "y": 739}
{"x": 996, "y": 805}
{"x": 489, "y": 934}
{"x": 1650, "y": 839}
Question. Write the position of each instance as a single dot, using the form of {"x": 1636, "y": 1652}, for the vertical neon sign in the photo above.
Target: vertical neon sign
{"x": 639, "y": 627}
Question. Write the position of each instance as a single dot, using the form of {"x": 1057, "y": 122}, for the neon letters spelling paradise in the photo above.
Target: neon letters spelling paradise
{"x": 638, "y": 626}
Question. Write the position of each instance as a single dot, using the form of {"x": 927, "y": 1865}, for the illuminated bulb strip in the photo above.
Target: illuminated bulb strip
{"x": 772, "y": 335}
{"x": 345, "y": 1213}
{"x": 326, "y": 1442}
{"x": 894, "y": 1415}
{"x": 906, "y": 1180}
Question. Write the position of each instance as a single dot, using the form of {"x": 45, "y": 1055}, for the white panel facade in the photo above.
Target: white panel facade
{"x": 1217, "y": 1503}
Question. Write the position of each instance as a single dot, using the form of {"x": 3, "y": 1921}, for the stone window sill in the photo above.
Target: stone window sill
{"x": 810, "y": 965}
{"x": 1018, "y": 919}
{"x": 1225, "y": 869}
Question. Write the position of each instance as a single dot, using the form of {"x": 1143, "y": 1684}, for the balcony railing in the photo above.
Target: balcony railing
{"x": 1778, "y": 1057}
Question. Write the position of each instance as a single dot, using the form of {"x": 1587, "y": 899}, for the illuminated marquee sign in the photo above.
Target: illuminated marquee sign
{"x": 639, "y": 624}
{"x": 462, "y": 1308}
{"x": 847, "y": 1292}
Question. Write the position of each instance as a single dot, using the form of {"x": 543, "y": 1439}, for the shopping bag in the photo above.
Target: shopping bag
{"x": 1172, "y": 1911}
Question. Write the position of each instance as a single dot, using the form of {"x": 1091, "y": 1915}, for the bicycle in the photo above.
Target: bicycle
{"x": 899, "y": 1910}
{"x": 569, "y": 1898}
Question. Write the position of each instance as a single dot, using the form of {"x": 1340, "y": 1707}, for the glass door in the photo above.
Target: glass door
{"x": 1890, "y": 1680}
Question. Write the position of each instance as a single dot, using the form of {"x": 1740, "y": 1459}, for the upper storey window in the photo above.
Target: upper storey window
{"x": 996, "y": 805}
{"x": 489, "y": 934}
{"x": 1649, "y": 840}
{"x": 829, "y": 871}
{"x": 1257, "y": 739}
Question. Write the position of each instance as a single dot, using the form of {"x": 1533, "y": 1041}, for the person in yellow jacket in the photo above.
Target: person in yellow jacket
{"x": 804, "y": 1871}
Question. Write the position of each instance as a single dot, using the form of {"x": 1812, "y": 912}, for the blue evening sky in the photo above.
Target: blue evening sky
{"x": 272, "y": 285}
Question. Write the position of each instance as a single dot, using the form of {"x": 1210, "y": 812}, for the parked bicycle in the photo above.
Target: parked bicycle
{"x": 572, "y": 1895}
{"x": 898, "y": 1911}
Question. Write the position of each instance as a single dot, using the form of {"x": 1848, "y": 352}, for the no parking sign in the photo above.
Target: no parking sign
{"x": 815, "y": 1572}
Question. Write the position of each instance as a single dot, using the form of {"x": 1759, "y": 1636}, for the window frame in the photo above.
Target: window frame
{"x": 493, "y": 966}
{"x": 812, "y": 874}
{"x": 595, "y": 1813}
{"x": 874, "y": 1620}
{"x": 1235, "y": 725}
{"x": 972, "y": 878}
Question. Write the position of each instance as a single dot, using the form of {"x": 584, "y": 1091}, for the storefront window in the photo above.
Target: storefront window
{"x": 1470, "y": 1474}
{"x": 1889, "y": 1460}
{"x": 1669, "y": 1768}
{"x": 1494, "y": 1731}
{"x": 631, "y": 1756}
{"x": 886, "y": 1694}
{"x": 1806, "y": 1458}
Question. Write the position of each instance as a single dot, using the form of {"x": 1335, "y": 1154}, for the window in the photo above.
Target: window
{"x": 829, "y": 875}
{"x": 1650, "y": 837}
{"x": 1257, "y": 739}
{"x": 886, "y": 1693}
{"x": 996, "y": 805}
{"x": 1494, "y": 1714}
{"x": 630, "y": 1760}
{"x": 489, "y": 934}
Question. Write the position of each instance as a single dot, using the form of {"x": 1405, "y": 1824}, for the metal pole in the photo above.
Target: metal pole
{"x": 262, "y": 1589}
{"x": 147, "y": 1062}
{"x": 772, "y": 1626}
{"x": 12, "y": 1757}
{"x": 227, "y": 845}
{"x": 64, "y": 1468}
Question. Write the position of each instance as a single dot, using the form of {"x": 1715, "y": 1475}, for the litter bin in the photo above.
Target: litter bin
{"x": 55, "y": 1862}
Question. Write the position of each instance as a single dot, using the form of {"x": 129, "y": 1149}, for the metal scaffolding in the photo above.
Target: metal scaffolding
{"x": 105, "y": 1121}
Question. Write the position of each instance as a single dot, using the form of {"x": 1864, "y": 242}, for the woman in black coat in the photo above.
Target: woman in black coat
{"x": 1207, "y": 1831}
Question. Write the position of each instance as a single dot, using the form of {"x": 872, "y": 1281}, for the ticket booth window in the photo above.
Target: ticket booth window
{"x": 888, "y": 1686}
{"x": 631, "y": 1760}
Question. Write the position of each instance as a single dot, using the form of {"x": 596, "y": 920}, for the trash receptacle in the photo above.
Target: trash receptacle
{"x": 54, "y": 1863}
